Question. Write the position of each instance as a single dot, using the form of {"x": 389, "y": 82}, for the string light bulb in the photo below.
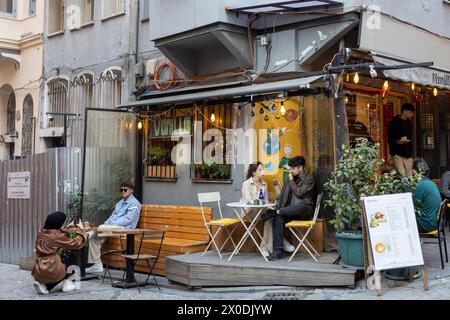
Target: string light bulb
{"x": 435, "y": 92}
{"x": 356, "y": 78}
{"x": 413, "y": 87}
{"x": 386, "y": 86}
{"x": 347, "y": 78}
{"x": 282, "y": 109}
{"x": 213, "y": 118}
{"x": 140, "y": 125}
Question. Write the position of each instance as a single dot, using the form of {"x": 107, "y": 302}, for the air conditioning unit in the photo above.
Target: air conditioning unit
{"x": 10, "y": 138}
{"x": 150, "y": 66}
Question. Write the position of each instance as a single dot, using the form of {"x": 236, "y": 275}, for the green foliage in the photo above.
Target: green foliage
{"x": 158, "y": 156}
{"x": 214, "y": 171}
{"x": 359, "y": 173}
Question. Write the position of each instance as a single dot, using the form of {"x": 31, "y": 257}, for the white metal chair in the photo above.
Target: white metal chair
{"x": 297, "y": 224}
{"x": 221, "y": 223}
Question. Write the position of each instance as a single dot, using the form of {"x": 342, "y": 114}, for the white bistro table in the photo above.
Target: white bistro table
{"x": 238, "y": 207}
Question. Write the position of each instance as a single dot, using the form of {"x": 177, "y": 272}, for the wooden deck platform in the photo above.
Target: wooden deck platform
{"x": 250, "y": 269}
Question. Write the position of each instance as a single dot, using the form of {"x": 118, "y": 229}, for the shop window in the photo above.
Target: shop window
{"x": 214, "y": 122}
{"x": 55, "y": 16}
{"x": 7, "y": 7}
{"x": 57, "y": 100}
{"x": 79, "y": 12}
{"x": 159, "y": 163}
{"x": 112, "y": 8}
{"x": 31, "y": 7}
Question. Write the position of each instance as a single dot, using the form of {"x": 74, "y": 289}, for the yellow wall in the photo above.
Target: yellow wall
{"x": 289, "y": 129}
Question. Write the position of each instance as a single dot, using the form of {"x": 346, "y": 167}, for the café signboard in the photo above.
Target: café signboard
{"x": 167, "y": 127}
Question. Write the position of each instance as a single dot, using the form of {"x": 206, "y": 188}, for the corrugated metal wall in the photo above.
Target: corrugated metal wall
{"x": 20, "y": 219}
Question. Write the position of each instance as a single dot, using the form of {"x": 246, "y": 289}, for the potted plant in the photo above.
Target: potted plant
{"x": 358, "y": 173}
{"x": 158, "y": 159}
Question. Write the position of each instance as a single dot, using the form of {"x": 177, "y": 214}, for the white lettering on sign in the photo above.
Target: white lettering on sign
{"x": 19, "y": 185}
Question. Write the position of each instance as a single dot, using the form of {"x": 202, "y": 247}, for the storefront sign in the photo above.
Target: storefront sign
{"x": 164, "y": 128}
{"x": 19, "y": 185}
{"x": 392, "y": 231}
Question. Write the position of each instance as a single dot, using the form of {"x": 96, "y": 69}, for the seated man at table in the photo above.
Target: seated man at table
{"x": 445, "y": 185}
{"x": 296, "y": 203}
{"x": 125, "y": 216}
{"x": 429, "y": 198}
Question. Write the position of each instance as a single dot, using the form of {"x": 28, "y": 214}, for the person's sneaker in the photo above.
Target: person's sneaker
{"x": 276, "y": 255}
{"x": 40, "y": 288}
{"x": 288, "y": 247}
{"x": 265, "y": 252}
{"x": 90, "y": 234}
{"x": 68, "y": 286}
{"x": 95, "y": 268}
{"x": 57, "y": 288}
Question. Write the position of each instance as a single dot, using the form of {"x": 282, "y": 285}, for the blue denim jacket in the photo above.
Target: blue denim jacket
{"x": 126, "y": 213}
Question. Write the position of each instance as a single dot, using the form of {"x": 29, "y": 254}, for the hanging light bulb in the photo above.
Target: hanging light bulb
{"x": 346, "y": 99}
{"x": 213, "y": 117}
{"x": 356, "y": 78}
{"x": 347, "y": 78}
{"x": 282, "y": 109}
{"x": 386, "y": 86}
{"x": 435, "y": 92}
{"x": 413, "y": 87}
{"x": 140, "y": 125}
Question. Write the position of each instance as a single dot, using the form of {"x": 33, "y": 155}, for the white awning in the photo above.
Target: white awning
{"x": 424, "y": 76}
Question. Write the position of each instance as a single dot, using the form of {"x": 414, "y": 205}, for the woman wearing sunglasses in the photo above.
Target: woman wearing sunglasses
{"x": 125, "y": 216}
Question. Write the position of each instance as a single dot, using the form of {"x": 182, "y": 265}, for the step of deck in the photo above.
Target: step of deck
{"x": 248, "y": 269}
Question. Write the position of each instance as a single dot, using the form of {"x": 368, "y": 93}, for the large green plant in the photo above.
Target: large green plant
{"x": 158, "y": 155}
{"x": 358, "y": 173}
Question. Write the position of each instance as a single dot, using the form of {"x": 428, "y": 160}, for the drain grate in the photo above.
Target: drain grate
{"x": 291, "y": 295}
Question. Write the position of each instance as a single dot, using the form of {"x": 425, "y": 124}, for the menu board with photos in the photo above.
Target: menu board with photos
{"x": 392, "y": 231}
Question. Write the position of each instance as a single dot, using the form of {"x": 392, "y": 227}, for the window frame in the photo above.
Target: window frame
{"x": 116, "y": 14}
{"x": 145, "y": 11}
{"x": 12, "y": 14}
{"x": 63, "y": 20}
{"x": 30, "y": 6}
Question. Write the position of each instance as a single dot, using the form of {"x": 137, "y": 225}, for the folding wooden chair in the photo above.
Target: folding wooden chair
{"x": 221, "y": 223}
{"x": 293, "y": 225}
{"x": 147, "y": 235}
{"x": 439, "y": 233}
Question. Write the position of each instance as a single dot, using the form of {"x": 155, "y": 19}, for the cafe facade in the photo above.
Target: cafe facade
{"x": 294, "y": 111}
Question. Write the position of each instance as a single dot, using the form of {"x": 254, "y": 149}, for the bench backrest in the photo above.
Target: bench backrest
{"x": 180, "y": 222}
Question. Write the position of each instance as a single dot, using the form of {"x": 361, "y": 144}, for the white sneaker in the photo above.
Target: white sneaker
{"x": 90, "y": 234}
{"x": 265, "y": 252}
{"x": 96, "y": 268}
{"x": 40, "y": 288}
{"x": 57, "y": 288}
{"x": 68, "y": 286}
{"x": 288, "y": 247}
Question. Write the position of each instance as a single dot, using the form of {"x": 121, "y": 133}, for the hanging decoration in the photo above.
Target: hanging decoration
{"x": 385, "y": 88}
{"x": 356, "y": 78}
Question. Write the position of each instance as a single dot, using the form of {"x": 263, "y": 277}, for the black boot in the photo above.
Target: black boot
{"x": 276, "y": 255}
{"x": 269, "y": 214}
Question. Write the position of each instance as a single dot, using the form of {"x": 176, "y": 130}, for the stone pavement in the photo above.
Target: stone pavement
{"x": 18, "y": 284}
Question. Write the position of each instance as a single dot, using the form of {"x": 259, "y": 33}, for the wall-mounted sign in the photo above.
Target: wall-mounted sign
{"x": 19, "y": 185}
{"x": 166, "y": 127}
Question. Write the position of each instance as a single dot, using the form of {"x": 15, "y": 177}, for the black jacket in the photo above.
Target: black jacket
{"x": 445, "y": 184}
{"x": 397, "y": 129}
{"x": 302, "y": 191}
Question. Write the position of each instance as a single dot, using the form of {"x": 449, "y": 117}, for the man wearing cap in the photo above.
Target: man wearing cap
{"x": 125, "y": 216}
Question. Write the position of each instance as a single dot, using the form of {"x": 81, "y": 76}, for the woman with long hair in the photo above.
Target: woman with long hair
{"x": 253, "y": 184}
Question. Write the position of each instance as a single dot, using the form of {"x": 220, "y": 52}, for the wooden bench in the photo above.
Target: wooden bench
{"x": 185, "y": 233}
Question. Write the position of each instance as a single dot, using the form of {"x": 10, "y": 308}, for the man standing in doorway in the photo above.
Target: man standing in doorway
{"x": 400, "y": 131}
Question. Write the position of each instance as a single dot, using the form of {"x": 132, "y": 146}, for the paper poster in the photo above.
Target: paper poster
{"x": 19, "y": 185}
{"x": 392, "y": 231}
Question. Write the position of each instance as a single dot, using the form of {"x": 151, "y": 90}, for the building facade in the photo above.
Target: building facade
{"x": 21, "y": 65}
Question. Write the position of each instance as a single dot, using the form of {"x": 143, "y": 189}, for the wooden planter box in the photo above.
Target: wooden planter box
{"x": 161, "y": 171}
